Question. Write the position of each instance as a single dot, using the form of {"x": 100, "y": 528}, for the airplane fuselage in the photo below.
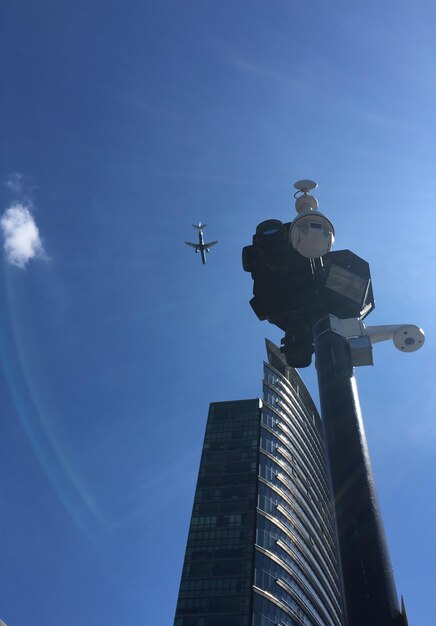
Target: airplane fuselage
{"x": 201, "y": 246}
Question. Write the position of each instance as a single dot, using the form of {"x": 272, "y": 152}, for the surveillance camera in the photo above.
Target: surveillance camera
{"x": 312, "y": 234}
{"x": 408, "y": 338}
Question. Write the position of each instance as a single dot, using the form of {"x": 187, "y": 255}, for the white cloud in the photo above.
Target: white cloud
{"x": 15, "y": 182}
{"x": 22, "y": 240}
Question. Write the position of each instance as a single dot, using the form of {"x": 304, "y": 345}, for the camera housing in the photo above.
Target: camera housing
{"x": 312, "y": 234}
{"x": 408, "y": 338}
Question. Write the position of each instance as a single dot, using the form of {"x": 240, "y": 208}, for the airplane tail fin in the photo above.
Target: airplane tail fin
{"x": 199, "y": 226}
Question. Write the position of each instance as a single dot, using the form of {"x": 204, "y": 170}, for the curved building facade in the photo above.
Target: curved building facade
{"x": 262, "y": 547}
{"x": 297, "y": 573}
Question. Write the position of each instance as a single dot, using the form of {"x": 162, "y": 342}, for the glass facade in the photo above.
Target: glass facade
{"x": 216, "y": 586}
{"x": 297, "y": 574}
{"x": 261, "y": 548}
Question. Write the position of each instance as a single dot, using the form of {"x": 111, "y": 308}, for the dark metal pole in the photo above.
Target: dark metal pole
{"x": 370, "y": 594}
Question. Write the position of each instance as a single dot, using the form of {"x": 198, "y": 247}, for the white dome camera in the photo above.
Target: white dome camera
{"x": 311, "y": 233}
{"x": 408, "y": 338}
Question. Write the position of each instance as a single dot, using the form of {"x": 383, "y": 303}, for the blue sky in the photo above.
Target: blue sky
{"x": 122, "y": 124}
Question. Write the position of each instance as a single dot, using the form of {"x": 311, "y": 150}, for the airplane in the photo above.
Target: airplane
{"x": 201, "y": 246}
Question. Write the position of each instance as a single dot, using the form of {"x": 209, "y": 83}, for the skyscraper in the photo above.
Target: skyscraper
{"x": 261, "y": 548}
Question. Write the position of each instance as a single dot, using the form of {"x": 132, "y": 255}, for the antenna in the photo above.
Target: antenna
{"x": 305, "y": 185}
{"x": 311, "y": 233}
{"x": 305, "y": 202}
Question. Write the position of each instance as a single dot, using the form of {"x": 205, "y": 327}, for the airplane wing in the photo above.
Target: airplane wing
{"x": 193, "y": 245}
{"x": 209, "y": 245}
